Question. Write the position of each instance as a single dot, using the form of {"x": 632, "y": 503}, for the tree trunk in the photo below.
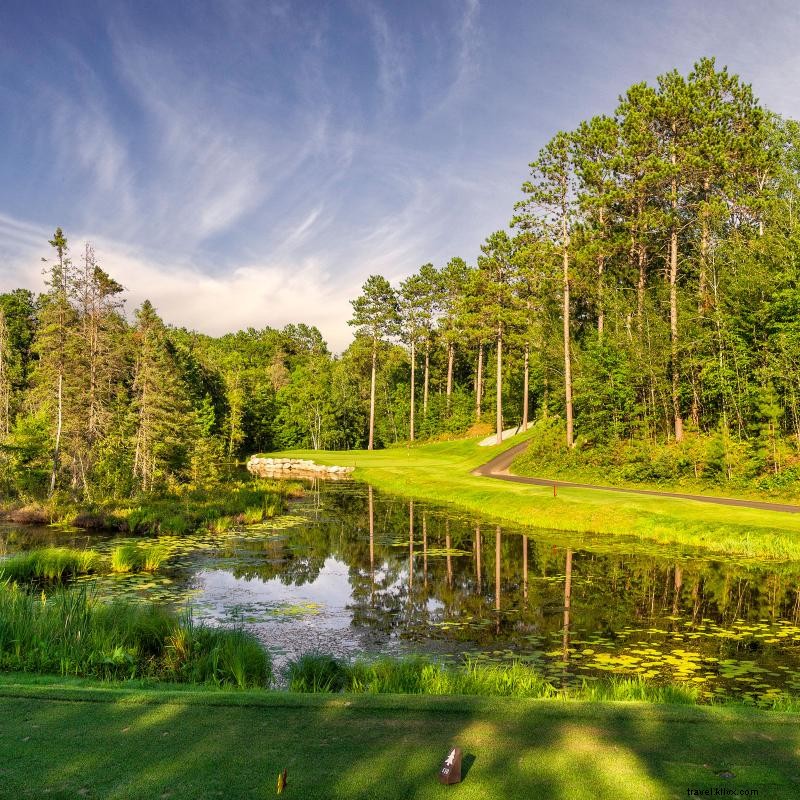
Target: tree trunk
{"x": 425, "y": 550}
{"x": 497, "y": 558}
{"x": 371, "y": 444}
{"x": 641, "y": 286}
{"x": 448, "y": 545}
{"x": 410, "y": 547}
{"x": 525, "y": 391}
{"x": 673, "y": 317}
{"x": 601, "y": 263}
{"x": 702, "y": 291}
{"x": 567, "y": 356}
{"x": 478, "y": 568}
{"x": 413, "y": 387}
{"x": 567, "y": 603}
{"x": 426, "y": 380}
{"x": 499, "y": 385}
{"x": 371, "y": 541}
{"x": 57, "y": 451}
{"x": 525, "y": 567}
{"x": 450, "y": 355}
{"x": 479, "y": 383}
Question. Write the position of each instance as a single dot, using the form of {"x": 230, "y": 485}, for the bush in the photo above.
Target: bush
{"x": 318, "y": 672}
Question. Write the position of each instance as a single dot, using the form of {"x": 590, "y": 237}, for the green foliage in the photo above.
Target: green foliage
{"x": 68, "y": 633}
{"x": 138, "y": 557}
{"x": 317, "y": 672}
{"x": 48, "y": 565}
{"x": 25, "y": 456}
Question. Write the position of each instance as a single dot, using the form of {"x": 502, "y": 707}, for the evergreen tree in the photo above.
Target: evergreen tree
{"x": 375, "y": 316}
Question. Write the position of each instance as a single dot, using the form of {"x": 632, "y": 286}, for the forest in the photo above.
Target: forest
{"x": 641, "y": 308}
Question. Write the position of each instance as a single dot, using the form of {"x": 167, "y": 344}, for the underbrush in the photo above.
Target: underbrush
{"x": 70, "y": 633}
{"x": 48, "y": 565}
{"x": 182, "y": 510}
{"x": 714, "y": 462}
{"x": 320, "y": 672}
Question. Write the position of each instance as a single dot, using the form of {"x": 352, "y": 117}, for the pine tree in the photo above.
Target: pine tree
{"x": 160, "y": 408}
{"x": 376, "y": 316}
{"x": 497, "y": 277}
{"x": 549, "y": 206}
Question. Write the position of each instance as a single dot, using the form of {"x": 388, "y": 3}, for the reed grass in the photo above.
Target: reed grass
{"x": 48, "y": 565}
{"x": 70, "y": 633}
{"x": 138, "y": 557}
{"x": 320, "y": 672}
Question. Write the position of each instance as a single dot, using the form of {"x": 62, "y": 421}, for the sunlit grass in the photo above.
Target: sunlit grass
{"x": 320, "y": 672}
{"x": 138, "y": 557}
{"x": 70, "y": 633}
{"x": 51, "y": 564}
{"x": 441, "y": 473}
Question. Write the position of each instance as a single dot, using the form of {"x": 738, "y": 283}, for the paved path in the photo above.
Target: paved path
{"x": 498, "y": 468}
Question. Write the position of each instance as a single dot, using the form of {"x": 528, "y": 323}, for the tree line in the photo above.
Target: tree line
{"x": 647, "y": 284}
{"x": 646, "y": 290}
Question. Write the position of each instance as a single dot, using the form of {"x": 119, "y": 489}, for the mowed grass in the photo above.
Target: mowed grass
{"x": 70, "y": 739}
{"x": 440, "y": 473}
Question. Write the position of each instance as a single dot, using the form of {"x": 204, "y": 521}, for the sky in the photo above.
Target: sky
{"x": 248, "y": 163}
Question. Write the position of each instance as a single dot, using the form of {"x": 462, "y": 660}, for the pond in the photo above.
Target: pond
{"x": 354, "y": 572}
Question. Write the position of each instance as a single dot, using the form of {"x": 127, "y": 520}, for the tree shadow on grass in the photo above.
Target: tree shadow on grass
{"x": 230, "y": 744}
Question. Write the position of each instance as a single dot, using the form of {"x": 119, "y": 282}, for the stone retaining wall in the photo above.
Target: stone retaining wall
{"x": 294, "y": 467}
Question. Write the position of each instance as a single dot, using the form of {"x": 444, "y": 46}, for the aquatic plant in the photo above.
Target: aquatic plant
{"x": 138, "y": 557}
{"x": 220, "y": 524}
{"x": 418, "y": 675}
{"x": 252, "y": 515}
{"x": 50, "y": 564}
{"x": 70, "y": 633}
{"x": 124, "y": 558}
{"x": 318, "y": 672}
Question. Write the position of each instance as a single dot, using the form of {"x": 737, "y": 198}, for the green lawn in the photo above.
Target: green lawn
{"x": 73, "y": 739}
{"x": 440, "y": 473}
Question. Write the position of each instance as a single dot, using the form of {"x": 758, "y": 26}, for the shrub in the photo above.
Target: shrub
{"x": 318, "y": 672}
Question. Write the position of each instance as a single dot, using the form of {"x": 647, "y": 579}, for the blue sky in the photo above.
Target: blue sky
{"x": 251, "y": 162}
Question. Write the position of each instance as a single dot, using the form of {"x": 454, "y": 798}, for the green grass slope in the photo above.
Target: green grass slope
{"x": 440, "y": 473}
{"x": 63, "y": 739}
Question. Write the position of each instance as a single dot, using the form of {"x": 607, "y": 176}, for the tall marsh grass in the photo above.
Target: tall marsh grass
{"x": 48, "y": 565}
{"x": 70, "y": 633}
{"x": 138, "y": 557}
{"x": 319, "y": 672}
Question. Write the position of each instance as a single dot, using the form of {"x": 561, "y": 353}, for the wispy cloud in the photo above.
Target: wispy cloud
{"x": 388, "y": 50}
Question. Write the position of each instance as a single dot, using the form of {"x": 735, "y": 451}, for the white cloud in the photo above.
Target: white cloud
{"x": 254, "y": 295}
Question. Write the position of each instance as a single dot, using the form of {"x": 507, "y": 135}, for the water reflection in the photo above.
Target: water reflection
{"x": 355, "y": 571}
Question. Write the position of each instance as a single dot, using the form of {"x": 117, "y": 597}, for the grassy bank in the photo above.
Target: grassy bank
{"x": 183, "y": 511}
{"x": 706, "y": 464}
{"x": 68, "y": 739}
{"x": 69, "y": 633}
{"x": 48, "y": 565}
{"x": 319, "y": 672}
{"x": 440, "y": 473}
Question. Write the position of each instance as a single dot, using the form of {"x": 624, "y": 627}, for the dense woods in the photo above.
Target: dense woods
{"x": 643, "y": 304}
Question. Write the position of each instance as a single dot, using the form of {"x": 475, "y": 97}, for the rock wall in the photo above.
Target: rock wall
{"x": 294, "y": 467}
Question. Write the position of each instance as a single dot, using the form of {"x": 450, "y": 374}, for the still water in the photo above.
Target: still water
{"x": 354, "y": 572}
